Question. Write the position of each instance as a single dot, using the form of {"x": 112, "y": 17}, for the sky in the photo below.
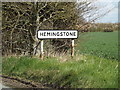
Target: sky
{"x": 112, "y": 16}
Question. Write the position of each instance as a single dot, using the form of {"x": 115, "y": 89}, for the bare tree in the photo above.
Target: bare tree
{"x": 21, "y": 20}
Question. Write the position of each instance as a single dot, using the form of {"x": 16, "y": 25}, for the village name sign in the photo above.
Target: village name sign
{"x": 57, "y": 34}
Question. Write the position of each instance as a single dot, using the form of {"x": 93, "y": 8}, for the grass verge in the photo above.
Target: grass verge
{"x": 94, "y": 72}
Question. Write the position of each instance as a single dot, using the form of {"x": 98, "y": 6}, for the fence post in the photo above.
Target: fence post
{"x": 41, "y": 50}
{"x": 72, "y": 48}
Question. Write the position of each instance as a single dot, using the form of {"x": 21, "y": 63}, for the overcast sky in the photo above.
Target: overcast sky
{"x": 111, "y": 17}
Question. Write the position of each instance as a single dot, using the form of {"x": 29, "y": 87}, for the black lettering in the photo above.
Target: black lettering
{"x": 72, "y": 33}
{"x": 61, "y": 34}
{"x": 54, "y": 34}
{"x": 48, "y": 33}
{"x": 42, "y": 33}
{"x": 67, "y": 34}
{"x": 64, "y": 33}
{"x": 75, "y": 34}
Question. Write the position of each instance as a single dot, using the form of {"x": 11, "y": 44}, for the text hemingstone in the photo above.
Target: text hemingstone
{"x": 58, "y": 34}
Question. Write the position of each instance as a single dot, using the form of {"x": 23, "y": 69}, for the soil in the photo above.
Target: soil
{"x": 18, "y": 83}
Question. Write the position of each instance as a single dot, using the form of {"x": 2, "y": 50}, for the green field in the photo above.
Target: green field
{"x": 95, "y": 64}
{"x": 102, "y": 44}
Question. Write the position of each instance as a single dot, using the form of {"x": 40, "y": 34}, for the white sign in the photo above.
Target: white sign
{"x": 58, "y": 34}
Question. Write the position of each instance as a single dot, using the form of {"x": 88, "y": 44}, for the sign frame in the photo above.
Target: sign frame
{"x": 56, "y": 38}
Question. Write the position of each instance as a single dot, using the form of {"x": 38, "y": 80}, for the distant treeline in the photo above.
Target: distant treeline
{"x": 99, "y": 27}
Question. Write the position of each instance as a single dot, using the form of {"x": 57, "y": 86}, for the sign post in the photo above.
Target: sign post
{"x": 57, "y": 34}
{"x": 72, "y": 48}
{"x": 41, "y": 49}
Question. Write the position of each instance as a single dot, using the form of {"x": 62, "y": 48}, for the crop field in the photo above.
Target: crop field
{"x": 102, "y": 44}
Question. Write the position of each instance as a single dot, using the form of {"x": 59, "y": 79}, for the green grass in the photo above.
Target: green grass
{"x": 102, "y": 44}
{"x": 92, "y": 67}
{"x": 93, "y": 72}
